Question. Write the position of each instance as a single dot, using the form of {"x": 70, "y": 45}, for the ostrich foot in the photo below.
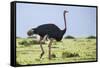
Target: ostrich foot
{"x": 41, "y": 55}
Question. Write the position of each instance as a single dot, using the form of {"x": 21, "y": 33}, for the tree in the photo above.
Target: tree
{"x": 69, "y": 37}
{"x": 91, "y": 37}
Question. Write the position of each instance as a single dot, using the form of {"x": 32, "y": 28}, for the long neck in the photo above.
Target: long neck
{"x": 64, "y": 30}
{"x": 65, "y": 20}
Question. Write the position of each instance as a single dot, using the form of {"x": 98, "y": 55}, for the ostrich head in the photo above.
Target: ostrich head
{"x": 30, "y": 32}
{"x": 65, "y": 11}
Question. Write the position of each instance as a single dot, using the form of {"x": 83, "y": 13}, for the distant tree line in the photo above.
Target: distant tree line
{"x": 91, "y": 37}
{"x": 69, "y": 37}
{"x": 72, "y": 37}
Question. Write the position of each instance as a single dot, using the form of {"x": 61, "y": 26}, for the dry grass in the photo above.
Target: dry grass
{"x": 69, "y": 50}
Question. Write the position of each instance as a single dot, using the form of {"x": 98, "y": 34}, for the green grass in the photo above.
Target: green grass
{"x": 69, "y": 50}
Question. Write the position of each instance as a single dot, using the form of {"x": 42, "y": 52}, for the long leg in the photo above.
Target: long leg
{"x": 51, "y": 40}
{"x": 41, "y": 48}
{"x": 42, "y": 40}
{"x": 42, "y": 51}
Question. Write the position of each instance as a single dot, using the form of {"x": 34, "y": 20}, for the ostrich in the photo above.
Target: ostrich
{"x": 48, "y": 30}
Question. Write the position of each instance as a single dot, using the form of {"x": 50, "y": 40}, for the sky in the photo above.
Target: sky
{"x": 81, "y": 21}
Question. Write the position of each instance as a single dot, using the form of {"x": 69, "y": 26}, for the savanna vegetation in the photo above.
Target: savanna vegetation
{"x": 70, "y": 49}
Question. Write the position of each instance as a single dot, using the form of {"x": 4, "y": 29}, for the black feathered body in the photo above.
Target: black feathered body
{"x": 51, "y": 30}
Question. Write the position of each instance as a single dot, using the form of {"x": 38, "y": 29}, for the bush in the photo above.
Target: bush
{"x": 91, "y": 37}
{"x": 23, "y": 42}
{"x": 69, "y": 54}
{"x": 53, "y": 56}
{"x": 35, "y": 42}
{"x": 69, "y": 37}
{"x": 32, "y": 42}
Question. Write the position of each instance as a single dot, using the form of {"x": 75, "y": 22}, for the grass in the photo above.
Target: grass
{"x": 69, "y": 50}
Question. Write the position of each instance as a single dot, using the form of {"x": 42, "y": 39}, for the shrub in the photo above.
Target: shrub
{"x": 31, "y": 42}
{"x": 69, "y": 54}
{"x": 23, "y": 42}
{"x": 53, "y": 55}
{"x": 69, "y": 37}
{"x": 35, "y": 42}
{"x": 91, "y": 37}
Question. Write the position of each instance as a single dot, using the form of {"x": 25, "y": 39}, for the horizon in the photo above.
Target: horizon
{"x": 63, "y": 36}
